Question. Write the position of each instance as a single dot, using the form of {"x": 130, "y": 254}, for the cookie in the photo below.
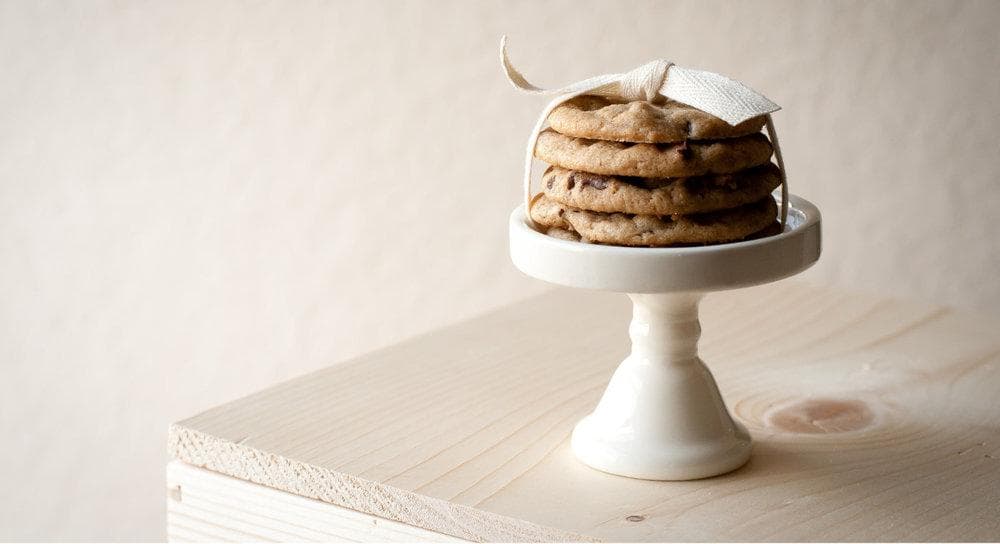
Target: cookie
{"x": 598, "y": 118}
{"x": 563, "y": 234}
{"x": 653, "y": 160}
{"x": 771, "y": 230}
{"x": 659, "y": 196}
{"x": 655, "y": 230}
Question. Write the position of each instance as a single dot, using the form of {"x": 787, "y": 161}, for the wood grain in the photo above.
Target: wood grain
{"x": 873, "y": 419}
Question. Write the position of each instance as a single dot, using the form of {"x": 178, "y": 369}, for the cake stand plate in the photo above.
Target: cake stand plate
{"x": 662, "y": 417}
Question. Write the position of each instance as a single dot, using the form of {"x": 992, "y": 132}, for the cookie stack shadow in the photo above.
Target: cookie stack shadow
{"x": 653, "y": 174}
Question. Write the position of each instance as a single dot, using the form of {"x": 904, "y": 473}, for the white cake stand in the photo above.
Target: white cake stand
{"x": 662, "y": 417}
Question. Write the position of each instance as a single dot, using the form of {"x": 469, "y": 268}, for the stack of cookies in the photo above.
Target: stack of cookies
{"x": 653, "y": 174}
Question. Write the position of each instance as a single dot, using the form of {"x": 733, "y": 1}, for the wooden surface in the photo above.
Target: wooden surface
{"x": 873, "y": 419}
{"x": 205, "y": 506}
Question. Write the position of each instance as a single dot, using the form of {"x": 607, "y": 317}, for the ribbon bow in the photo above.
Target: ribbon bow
{"x": 709, "y": 92}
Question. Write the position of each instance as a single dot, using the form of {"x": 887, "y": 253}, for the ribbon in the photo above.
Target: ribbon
{"x": 709, "y": 92}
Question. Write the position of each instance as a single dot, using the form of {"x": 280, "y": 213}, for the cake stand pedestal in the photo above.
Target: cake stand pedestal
{"x": 662, "y": 417}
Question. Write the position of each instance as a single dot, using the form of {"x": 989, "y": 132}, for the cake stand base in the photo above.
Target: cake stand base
{"x": 662, "y": 417}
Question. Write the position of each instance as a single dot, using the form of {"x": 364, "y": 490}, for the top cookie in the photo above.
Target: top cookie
{"x": 598, "y": 118}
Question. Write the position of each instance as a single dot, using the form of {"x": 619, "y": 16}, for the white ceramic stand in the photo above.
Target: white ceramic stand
{"x": 662, "y": 417}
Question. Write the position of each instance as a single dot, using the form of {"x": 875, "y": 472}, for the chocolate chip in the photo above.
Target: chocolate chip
{"x": 588, "y": 180}
{"x": 570, "y": 183}
{"x": 648, "y": 183}
{"x": 548, "y": 184}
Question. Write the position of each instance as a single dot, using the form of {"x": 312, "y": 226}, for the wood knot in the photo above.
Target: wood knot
{"x": 822, "y": 416}
{"x": 635, "y": 519}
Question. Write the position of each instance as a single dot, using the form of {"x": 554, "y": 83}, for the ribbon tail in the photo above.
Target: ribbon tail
{"x": 605, "y": 85}
{"x": 515, "y": 77}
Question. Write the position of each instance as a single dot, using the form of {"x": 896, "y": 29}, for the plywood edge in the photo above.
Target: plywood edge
{"x": 250, "y": 464}
{"x": 206, "y": 506}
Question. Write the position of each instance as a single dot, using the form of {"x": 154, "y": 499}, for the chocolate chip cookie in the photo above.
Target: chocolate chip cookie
{"x": 599, "y": 118}
{"x": 659, "y": 196}
{"x": 683, "y": 159}
{"x": 654, "y": 230}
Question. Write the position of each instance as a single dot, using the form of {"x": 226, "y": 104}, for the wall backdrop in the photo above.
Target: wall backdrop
{"x": 199, "y": 199}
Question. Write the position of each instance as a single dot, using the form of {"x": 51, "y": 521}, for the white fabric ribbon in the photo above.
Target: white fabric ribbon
{"x": 712, "y": 93}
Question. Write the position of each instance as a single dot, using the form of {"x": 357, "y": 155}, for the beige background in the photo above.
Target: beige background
{"x": 198, "y": 199}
